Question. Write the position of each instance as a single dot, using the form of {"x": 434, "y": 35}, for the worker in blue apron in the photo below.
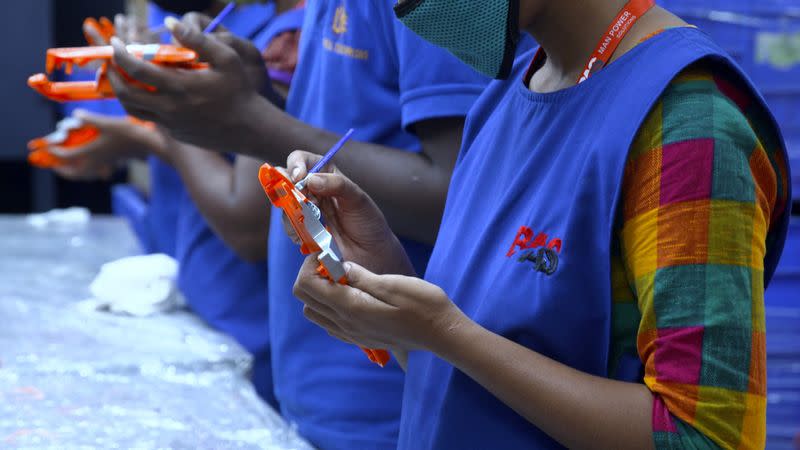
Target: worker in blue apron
{"x": 619, "y": 204}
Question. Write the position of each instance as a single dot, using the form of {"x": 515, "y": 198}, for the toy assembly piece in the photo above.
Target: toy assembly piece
{"x": 103, "y": 27}
{"x": 70, "y": 133}
{"x": 100, "y": 88}
{"x": 305, "y": 218}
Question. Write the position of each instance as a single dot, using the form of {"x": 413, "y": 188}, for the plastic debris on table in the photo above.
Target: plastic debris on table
{"x": 74, "y": 217}
{"x": 136, "y": 285}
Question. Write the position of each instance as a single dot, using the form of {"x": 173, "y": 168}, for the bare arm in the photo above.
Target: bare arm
{"x": 228, "y": 195}
{"x": 555, "y": 397}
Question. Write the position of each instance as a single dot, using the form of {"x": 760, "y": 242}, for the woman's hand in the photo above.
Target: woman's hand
{"x": 119, "y": 140}
{"x": 355, "y": 221}
{"x": 379, "y": 311}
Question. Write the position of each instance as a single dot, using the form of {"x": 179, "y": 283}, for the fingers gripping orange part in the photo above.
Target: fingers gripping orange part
{"x": 315, "y": 238}
{"x": 70, "y": 133}
{"x": 67, "y": 58}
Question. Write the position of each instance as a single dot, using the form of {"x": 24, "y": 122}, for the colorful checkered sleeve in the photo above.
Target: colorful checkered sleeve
{"x": 698, "y": 193}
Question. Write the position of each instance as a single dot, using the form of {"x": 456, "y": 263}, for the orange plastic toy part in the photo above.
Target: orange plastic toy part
{"x": 279, "y": 190}
{"x": 70, "y": 133}
{"x": 104, "y": 27}
{"x": 283, "y": 194}
{"x": 100, "y": 88}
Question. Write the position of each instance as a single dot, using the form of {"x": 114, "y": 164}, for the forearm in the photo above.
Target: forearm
{"x": 579, "y": 410}
{"x": 399, "y": 181}
{"x": 224, "y": 199}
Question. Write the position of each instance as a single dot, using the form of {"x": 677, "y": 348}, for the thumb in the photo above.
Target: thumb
{"x": 94, "y": 119}
{"x": 386, "y": 289}
{"x": 67, "y": 155}
{"x": 338, "y": 186}
{"x": 360, "y": 278}
{"x": 208, "y": 48}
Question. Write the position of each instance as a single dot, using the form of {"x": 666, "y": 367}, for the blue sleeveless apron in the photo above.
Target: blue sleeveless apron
{"x": 543, "y": 171}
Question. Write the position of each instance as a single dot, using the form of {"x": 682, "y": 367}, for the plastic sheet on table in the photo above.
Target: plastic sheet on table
{"x": 208, "y": 410}
{"x": 71, "y": 378}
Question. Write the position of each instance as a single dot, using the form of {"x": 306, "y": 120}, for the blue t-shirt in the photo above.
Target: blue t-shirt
{"x": 358, "y": 68}
{"x": 227, "y": 292}
{"x": 166, "y": 187}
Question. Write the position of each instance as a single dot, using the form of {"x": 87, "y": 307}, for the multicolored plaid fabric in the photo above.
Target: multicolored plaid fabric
{"x": 701, "y": 187}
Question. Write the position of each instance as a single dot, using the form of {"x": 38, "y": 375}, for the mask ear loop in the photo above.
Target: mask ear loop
{"x": 404, "y": 7}
{"x": 512, "y": 40}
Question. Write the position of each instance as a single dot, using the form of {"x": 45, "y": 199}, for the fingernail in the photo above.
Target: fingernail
{"x": 171, "y": 23}
{"x": 117, "y": 42}
{"x": 296, "y": 174}
{"x": 316, "y": 183}
{"x": 347, "y": 267}
{"x": 79, "y": 113}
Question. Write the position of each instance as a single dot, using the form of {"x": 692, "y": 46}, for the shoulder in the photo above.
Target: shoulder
{"x": 699, "y": 108}
{"x": 697, "y": 143}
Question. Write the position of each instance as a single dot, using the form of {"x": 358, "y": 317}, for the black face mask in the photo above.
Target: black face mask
{"x": 181, "y": 7}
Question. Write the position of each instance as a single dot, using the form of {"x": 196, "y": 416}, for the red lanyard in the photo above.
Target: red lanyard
{"x": 616, "y": 33}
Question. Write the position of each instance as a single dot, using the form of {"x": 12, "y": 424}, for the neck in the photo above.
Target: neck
{"x": 569, "y": 32}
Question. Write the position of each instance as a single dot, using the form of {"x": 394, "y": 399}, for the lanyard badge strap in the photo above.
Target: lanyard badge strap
{"x": 616, "y": 32}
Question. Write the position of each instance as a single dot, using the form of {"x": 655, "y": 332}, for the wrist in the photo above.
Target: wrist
{"x": 450, "y": 334}
{"x": 157, "y": 143}
{"x": 398, "y": 261}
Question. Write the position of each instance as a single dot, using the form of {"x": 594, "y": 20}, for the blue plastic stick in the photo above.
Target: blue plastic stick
{"x": 220, "y": 17}
{"x": 327, "y": 158}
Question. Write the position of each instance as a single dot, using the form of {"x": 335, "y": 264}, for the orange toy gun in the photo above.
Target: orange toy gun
{"x": 305, "y": 218}
{"x": 70, "y": 133}
{"x": 100, "y": 88}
